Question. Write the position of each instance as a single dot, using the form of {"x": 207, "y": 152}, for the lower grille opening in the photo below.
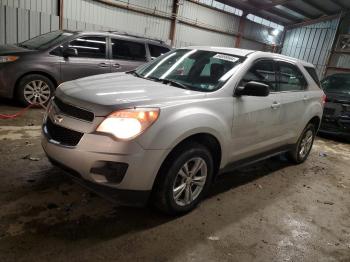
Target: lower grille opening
{"x": 63, "y": 135}
{"x": 113, "y": 172}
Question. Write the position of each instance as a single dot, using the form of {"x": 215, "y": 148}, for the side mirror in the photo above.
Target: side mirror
{"x": 70, "y": 52}
{"x": 253, "y": 88}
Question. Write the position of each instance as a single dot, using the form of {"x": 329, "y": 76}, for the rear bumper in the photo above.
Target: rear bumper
{"x": 339, "y": 126}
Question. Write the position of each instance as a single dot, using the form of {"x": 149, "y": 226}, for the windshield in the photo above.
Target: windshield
{"x": 45, "y": 41}
{"x": 191, "y": 69}
{"x": 337, "y": 84}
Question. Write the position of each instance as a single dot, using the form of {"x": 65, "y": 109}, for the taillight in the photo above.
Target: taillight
{"x": 324, "y": 99}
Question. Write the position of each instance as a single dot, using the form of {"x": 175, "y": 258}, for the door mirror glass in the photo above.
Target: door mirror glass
{"x": 253, "y": 88}
{"x": 70, "y": 51}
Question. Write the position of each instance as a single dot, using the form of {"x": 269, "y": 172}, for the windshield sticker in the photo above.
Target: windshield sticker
{"x": 226, "y": 57}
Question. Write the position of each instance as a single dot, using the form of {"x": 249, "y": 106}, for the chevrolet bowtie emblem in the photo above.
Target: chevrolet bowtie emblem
{"x": 57, "y": 118}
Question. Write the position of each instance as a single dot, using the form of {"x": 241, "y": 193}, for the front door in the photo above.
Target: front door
{"x": 257, "y": 120}
{"x": 91, "y": 59}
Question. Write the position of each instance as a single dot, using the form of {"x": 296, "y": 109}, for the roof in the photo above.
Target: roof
{"x": 289, "y": 12}
{"x": 227, "y": 50}
{"x": 247, "y": 52}
{"x": 117, "y": 33}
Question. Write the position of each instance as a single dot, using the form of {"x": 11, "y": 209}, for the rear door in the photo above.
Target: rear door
{"x": 294, "y": 95}
{"x": 257, "y": 120}
{"x": 91, "y": 60}
{"x": 127, "y": 55}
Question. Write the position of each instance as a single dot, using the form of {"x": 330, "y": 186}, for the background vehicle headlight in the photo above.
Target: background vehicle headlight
{"x": 6, "y": 59}
{"x": 129, "y": 123}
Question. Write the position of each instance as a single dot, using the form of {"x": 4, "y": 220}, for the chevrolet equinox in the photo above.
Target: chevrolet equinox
{"x": 160, "y": 134}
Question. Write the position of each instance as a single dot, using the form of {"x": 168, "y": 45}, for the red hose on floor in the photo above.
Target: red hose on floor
{"x": 20, "y": 112}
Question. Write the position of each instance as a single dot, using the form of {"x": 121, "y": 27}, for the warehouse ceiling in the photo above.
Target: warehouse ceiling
{"x": 289, "y": 12}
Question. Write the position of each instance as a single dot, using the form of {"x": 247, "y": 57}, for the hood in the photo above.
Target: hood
{"x": 13, "y": 50}
{"x": 108, "y": 92}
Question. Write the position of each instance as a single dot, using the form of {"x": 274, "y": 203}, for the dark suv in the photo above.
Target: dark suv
{"x": 336, "y": 115}
{"x": 30, "y": 71}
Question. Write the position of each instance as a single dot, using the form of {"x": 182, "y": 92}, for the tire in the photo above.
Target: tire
{"x": 34, "y": 89}
{"x": 306, "y": 140}
{"x": 172, "y": 176}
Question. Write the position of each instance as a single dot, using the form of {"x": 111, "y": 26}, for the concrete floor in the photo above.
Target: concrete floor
{"x": 272, "y": 211}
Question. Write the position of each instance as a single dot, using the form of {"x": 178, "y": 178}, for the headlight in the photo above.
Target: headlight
{"x": 129, "y": 123}
{"x": 6, "y": 59}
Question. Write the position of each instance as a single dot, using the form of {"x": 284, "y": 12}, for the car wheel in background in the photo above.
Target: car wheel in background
{"x": 35, "y": 89}
{"x": 302, "y": 148}
{"x": 184, "y": 179}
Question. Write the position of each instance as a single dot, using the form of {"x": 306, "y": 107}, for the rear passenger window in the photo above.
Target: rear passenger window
{"x": 262, "y": 71}
{"x": 156, "y": 50}
{"x": 291, "y": 79}
{"x": 128, "y": 50}
{"x": 90, "y": 47}
{"x": 313, "y": 74}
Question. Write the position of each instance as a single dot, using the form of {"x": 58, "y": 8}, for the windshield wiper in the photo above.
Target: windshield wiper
{"x": 175, "y": 83}
{"x": 22, "y": 45}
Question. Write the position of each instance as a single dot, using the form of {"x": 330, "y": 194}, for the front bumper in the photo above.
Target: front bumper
{"x": 139, "y": 166}
{"x": 7, "y": 83}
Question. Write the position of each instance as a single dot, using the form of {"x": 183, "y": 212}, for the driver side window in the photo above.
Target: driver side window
{"x": 262, "y": 71}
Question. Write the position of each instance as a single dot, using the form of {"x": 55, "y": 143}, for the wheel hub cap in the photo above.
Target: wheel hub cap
{"x": 306, "y": 144}
{"x": 190, "y": 181}
{"x": 37, "y": 92}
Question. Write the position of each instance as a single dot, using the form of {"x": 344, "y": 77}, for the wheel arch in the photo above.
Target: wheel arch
{"x": 37, "y": 72}
{"x": 208, "y": 140}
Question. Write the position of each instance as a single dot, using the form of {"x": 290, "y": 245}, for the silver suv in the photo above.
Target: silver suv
{"x": 163, "y": 132}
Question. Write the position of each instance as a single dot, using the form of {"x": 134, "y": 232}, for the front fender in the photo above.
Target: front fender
{"x": 176, "y": 124}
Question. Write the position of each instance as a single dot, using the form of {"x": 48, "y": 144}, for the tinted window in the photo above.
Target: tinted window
{"x": 291, "y": 79}
{"x": 313, "y": 74}
{"x": 128, "y": 50}
{"x": 157, "y": 50}
{"x": 262, "y": 71}
{"x": 339, "y": 83}
{"x": 91, "y": 47}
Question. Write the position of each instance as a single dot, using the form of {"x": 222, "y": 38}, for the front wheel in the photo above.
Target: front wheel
{"x": 35, "y": 89}
{"x": 302, "y": 148}
{"x": 184, "y": 179}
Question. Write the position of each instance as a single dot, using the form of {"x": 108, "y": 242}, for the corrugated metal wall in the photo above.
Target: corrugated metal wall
{"x": 45, "y": 6}
{"x": 17, "y": 25}
{"x": 311, "y": 43}
{"x": 340, "y": 59}
{"x": 94, "y": 15}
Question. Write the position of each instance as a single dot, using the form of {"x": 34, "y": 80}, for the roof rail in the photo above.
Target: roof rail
{"x": 136, "y": 36}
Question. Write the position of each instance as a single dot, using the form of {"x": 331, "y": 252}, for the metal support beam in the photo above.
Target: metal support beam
{"x": 299, "y": 11}
{"x": 60, "y": 13}
{"x": 241, "y": 26}
{"x": 313, "y": 21}
{"x": 340, "y": 4}
{"x": 317, "y": 6}
{"x": 174, "y": 20}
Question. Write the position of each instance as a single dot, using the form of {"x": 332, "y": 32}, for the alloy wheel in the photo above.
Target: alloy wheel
{"x": 189, "y": 181}
{"x": 305, "y": 144}
{"x": 37, "y": 92}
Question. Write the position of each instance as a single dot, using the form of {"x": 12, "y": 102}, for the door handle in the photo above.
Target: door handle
{"x": 275, "y": 105}
{"x": 117, "y": 66}
{"x": 103, "y": 65}
{"x": 305, "y": 98}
